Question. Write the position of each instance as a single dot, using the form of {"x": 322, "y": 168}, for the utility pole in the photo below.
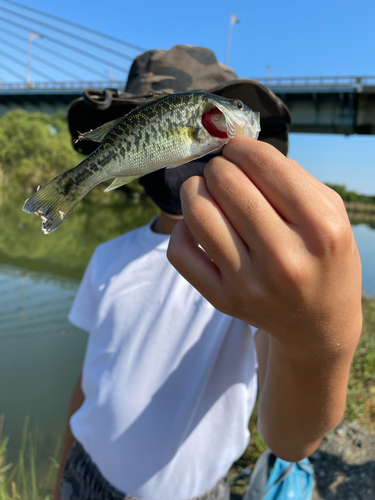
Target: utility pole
{"x": 233, "y": 19}
{"x": 32, "y": 36}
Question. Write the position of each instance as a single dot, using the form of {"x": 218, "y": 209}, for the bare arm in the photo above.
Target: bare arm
{"x": 299, "y": 400}
{"x": 75, "y": 404}
{"x": 279, "y": 253}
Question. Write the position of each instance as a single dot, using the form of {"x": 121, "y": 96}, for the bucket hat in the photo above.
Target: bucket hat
{"x": 182, "y": 68}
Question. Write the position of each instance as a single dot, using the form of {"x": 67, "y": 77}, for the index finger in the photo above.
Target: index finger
{"x": 285, "y": 184}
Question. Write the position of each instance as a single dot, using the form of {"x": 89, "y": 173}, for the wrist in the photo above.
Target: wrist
{"x": 320, "y": 344}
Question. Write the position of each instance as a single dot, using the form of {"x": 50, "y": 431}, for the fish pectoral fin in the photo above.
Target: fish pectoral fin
{"x": 200, "y": 134}
{"x": 120, "y": 181}
{"x": 99, "y": 133}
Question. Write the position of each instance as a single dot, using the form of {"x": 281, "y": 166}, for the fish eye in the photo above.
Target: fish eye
{"x": 238, "y": 104}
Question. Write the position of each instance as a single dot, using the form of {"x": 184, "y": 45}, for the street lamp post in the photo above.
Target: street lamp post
{"x": 233, "y": 19}
{"x": 32, "y": 36}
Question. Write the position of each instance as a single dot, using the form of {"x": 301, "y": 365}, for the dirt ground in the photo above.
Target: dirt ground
{"x": 344, "y": 465}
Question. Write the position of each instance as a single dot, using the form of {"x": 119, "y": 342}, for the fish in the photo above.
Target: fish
{"x": 167, "y": 130}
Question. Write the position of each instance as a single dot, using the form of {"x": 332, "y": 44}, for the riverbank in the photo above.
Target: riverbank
{"x": 356, "y": 206}
{"x": 360, "y": 213}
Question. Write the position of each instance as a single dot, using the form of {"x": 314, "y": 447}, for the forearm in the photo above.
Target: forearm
{"x": 75, "y": 404}
{"x": 266, "y": 242}
{"x": 302, "y": 398}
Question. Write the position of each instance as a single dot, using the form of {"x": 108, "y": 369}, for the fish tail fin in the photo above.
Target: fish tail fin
{"x": 54, "y": 201}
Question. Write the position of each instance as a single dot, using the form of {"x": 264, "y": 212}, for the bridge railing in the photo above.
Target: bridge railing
{"x": 307, "y": 81}
{"x": 68, "y": 85}
{"x": 274, "y": 81}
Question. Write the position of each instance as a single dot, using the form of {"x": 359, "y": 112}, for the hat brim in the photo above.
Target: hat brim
{"x": 97, "y": 108}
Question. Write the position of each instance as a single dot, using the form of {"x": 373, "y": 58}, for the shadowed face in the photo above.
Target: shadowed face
{"x": 163, "y": 186}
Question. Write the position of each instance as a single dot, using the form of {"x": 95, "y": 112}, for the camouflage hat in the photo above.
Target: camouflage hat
{"x": 180, "y": 69}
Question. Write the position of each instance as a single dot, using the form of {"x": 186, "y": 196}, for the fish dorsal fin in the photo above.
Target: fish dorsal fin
{"x": 120, "y": 181}
{"x": 99, "y": 133}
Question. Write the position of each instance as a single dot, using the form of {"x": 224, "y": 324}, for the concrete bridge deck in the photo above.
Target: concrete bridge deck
{"x": 322, "y": 104}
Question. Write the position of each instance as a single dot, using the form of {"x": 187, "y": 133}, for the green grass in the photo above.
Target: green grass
{"x": 19, "y": 480}
{"x": 361, "y": 389}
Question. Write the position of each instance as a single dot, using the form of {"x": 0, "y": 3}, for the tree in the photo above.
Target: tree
{"x": 34, "y": 148}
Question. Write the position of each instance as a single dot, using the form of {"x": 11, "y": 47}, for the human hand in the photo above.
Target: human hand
{"x": 279, "y": 252}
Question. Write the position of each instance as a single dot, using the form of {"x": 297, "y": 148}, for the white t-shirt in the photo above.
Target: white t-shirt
{"x": 169, "y": 381}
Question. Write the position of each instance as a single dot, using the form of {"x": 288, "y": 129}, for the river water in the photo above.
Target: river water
{"x": 41, "y": 353}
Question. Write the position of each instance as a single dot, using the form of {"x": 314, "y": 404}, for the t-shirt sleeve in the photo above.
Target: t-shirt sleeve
{"x": 86, "y": 301}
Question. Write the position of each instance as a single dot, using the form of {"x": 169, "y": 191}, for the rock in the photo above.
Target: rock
{"x": 341, "y": 431}
{"x": 345, "y": 464}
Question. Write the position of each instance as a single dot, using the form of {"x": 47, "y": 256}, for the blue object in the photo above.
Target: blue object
{"x": 276, "y": 479}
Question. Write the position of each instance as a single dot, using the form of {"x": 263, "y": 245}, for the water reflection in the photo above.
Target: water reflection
{"x": 40, "y": 354}
{"x": 66, "y": 251}
{"x": 365, "y": 237}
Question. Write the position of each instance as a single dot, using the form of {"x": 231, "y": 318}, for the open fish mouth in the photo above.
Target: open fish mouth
{"x": 224, "y": 124}
{"x": 215, "y": 122}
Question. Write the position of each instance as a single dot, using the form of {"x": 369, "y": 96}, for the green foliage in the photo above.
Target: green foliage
{"x": 351, "y": 195}
{"x": 20, "y": 480}
{"x": 34, "y": 148}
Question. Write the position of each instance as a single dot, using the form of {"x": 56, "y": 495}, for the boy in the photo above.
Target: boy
{"x": 169, "y": 379}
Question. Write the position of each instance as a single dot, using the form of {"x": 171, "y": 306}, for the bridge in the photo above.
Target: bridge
{"x": 319, "y": 104}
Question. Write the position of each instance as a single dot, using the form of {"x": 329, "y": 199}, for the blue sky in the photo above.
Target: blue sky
{"x": 294, "y": 38}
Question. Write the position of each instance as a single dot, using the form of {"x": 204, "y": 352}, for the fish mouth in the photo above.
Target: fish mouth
{"x": 222, "y": 123}
{"x": 215, "y": 122}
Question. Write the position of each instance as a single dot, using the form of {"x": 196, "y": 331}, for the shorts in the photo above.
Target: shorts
{"x": 82, "y": 480}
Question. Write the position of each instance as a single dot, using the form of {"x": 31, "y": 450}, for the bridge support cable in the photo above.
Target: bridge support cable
{"x": 68, "y": 46}
{"x": 56, "y": 54}
{"x": 21, "y": 63}
{"x": 70, "y": 35}
{"x": 70, "y": 23}
{"x": 43, "y": 61}
{"x": 11, "y": 71}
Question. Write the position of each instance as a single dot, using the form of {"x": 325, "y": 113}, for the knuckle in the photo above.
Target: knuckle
{"x": 264, "y": 158}
{"x": 335, "y": 234}
{"x": 329, "y": 230}
{"x": 219, "y": 177}
{"x": 250, "y": 154}
{"x": 291, "y": 270}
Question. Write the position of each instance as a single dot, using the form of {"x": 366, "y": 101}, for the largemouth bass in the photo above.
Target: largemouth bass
{"x": 166, "y": 131}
